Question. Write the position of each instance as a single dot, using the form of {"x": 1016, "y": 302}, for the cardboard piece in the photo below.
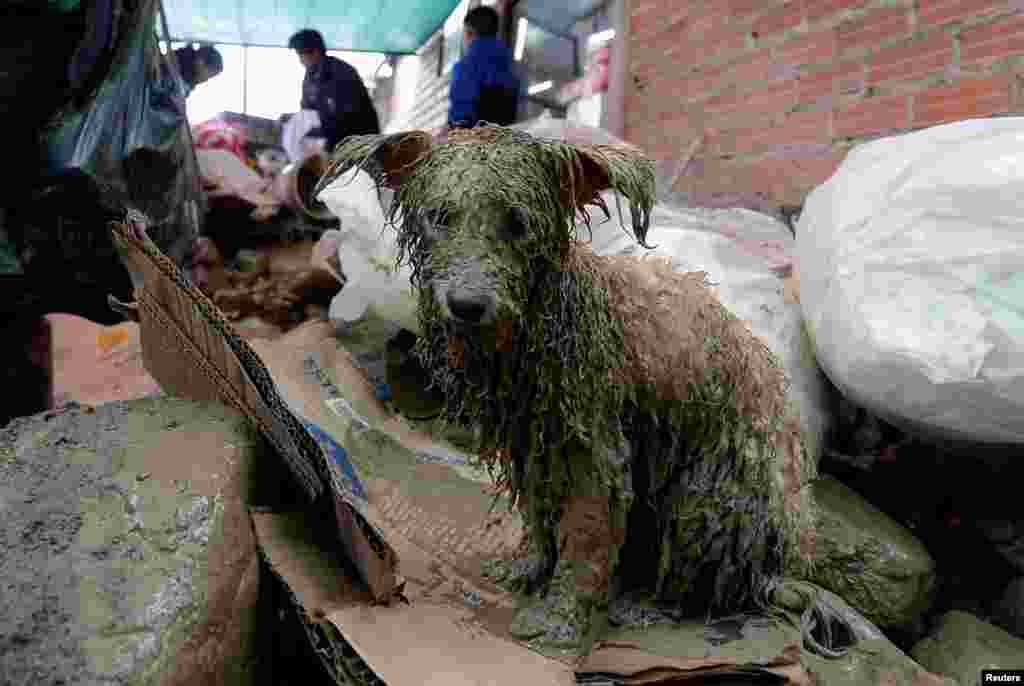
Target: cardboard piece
{"x": 437, "y": 641}
{"x": 193, "y": 351}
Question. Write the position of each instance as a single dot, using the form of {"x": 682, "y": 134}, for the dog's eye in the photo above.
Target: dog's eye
{"x": 515, "y": 227}
{"x": 437, "y": 219}
{"x": 434, "y": 224}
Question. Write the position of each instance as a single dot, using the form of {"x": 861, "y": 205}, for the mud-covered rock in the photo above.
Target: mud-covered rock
{"x": 127, "y": 555}
{"x": 868, "y": 559}
{"x": 962, "y": 645}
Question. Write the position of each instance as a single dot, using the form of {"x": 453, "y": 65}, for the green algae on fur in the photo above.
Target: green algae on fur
{"x": 572, "y": 386}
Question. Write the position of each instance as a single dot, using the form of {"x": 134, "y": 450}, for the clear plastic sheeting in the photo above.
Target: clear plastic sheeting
{"x": 132, "y": 139}
{"x": 911, "y": 269}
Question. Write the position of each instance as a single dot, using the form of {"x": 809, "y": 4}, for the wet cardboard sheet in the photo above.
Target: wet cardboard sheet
{"x": 430, "y": 640}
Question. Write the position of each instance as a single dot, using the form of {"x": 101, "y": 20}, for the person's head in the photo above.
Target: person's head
{"x": 309, "y": 45}
{"x": 480, "y": 21}
{"x": 209, "y": 63}
{"x": 199, "y": 66}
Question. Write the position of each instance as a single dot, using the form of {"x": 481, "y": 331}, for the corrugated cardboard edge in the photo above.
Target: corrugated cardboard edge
{"x": 429, "y": 642}
{"x": 201, "y": 357}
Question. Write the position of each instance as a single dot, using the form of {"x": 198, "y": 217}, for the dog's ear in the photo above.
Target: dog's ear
{"x": 622, "y": 169}
{"x": 388, "y": 159}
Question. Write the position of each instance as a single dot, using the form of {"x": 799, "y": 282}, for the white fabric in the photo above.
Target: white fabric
{"x": 295, "y": 131}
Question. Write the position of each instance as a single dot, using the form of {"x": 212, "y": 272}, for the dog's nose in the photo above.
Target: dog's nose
{"x": 468, "y": 309}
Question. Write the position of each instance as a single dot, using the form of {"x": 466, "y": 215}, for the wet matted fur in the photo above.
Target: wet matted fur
{"x": 618, "y": 402}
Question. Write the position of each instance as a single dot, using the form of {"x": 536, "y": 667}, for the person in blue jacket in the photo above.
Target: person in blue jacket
{"x": 484, "y": 86}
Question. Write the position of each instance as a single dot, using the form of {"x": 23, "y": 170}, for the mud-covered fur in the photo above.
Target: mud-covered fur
{"x": 619, "y": 404}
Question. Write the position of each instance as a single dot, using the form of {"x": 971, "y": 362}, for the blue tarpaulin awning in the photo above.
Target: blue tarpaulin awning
{"x": 397, "y": 26}
{"x": 358, "y": 25}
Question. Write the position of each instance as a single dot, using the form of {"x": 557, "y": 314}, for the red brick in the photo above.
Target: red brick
{"x": 721, "y": 42}
{"x": 873, "y": 29}
{"x": 818, "y": 46}
{"x": 830, "y": 81}
{"x": 668, "y": 87}
{"x": 754, "y": 66}
{"x": 777, "y": 97}
{"x": 762, "y": 103}
{"x": 780, "y": 18}
{"x": 871, "y": 116}
{"x": 991, "y": 42}
{"x": 741, "y": 10}
{"x": 811, "y": 173}
{"x": 818, "y": 10}
{"x": 705, "y": 80}
{"x": 706, "y": 22}
{"x": 798, "y": 128}
{"x": 913, "y": 60}
{"x": 964, "y": 100}
{"x": 683, "y": 55}
{"x": 935, "y": 13}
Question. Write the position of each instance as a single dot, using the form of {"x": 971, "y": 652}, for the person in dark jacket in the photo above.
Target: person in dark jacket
{"x": 484, "y": 86}
{"x": 335, "y": 90}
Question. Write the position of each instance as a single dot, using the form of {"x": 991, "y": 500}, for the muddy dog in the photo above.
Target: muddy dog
{"x": 640, "y": 428}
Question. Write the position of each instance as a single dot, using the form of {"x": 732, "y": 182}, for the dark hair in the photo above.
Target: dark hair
{"x": 210, "y": 56}
{"x": 188, "y": 57}
{"x": 483, "y": 21}
{"x": 307, "y": 40}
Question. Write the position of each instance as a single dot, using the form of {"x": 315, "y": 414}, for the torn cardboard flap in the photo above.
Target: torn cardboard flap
{"x": 193, "y": 351}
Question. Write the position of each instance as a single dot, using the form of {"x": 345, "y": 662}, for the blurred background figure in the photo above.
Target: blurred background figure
{"x": 484, "y": 86}
{"x": 334, "y": 90}
{"x": 198, "y": 65}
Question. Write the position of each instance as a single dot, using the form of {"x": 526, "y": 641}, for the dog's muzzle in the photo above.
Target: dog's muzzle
{"x": 469, "y": 309}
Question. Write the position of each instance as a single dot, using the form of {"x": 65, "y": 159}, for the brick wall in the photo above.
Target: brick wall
{"x": 782, "y": 89}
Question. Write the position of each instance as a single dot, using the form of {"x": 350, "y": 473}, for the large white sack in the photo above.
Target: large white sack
{"x": 911, "y": 269}
{"x": 367, "y": 250}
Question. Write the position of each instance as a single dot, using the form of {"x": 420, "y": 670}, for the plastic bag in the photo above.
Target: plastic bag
{"x": 911, "y": 268}
{"x": 132, "y": 139}
{"x": 367, "y": 251}
{"x": 295, "y": 130}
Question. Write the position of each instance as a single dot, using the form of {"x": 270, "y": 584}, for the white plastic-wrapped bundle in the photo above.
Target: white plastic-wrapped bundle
{"x": 367, "y": 250}
{"x": 911, "y": 268}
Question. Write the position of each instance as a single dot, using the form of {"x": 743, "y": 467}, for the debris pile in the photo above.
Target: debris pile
{"x": 474, "y": 497}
